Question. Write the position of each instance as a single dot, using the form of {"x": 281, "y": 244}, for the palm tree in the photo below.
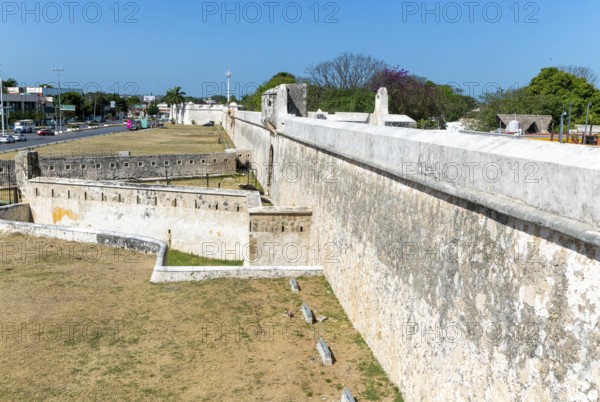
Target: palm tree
{"x": 9, "y": 83}
{"x": 175, "y": 96}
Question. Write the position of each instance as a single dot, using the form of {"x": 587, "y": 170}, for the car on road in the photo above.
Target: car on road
{"x": 19, "y": 137}
{"x": 45, "y": 131}
{"x": 7, "y": 139}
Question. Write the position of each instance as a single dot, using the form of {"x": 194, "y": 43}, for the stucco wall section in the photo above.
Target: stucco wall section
{"x": 280, "y": 237}
{"x": 16, "y": 212}
{"x": 457, "y": 300}
{"x": 188, "y": 219}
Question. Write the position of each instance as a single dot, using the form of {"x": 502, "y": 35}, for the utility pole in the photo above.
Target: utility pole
{"x": 228, "y": 75}
{"x": 2, "y": 104}
{"x": 587, "y": 119}
{"x": 58, "y": 71}
{"x": 562, "y": 125}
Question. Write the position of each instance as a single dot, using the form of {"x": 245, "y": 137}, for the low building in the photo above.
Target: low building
{"x": 528, "y": 123}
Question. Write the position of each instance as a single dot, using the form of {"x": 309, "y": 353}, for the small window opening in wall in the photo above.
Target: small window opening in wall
{"x": 191, "y": 161}
{"x": 166, "y": 163}
{"x": 113, "y": 165}
{"x": 51, "y": 168}
{"x": 68, "y": 195}
{"x": 238, "y": 208}
{"x": 102, "y": 197}
{"x": 203, "y": 161}
{"x": 98, "y": 166}
{"x": 1, "y": 170}
{"x": 52, "y": 193}
{"x": 85, "y": 195}
{"x": 140, "y": 164}
{"x": 301, "y": 229}
{"x": 247, "y": 155}
{"x": 37, "y": 192}
{"x": 225, "y": 161}
{"x": 155, "y": 201}
{"x": 67, "y": 167}
{"x": 119, "y": 198}
{"x": 153, "y": 163}
{"x": 83, "y": 167}
{"x": 282, "y": 228}
{"x": 214, "y": 161}
{"x": 137, "y": 199}
{"x": 179, "y": 163}
{"x": 216, "y": 206}
{"x": 126, "y": 164}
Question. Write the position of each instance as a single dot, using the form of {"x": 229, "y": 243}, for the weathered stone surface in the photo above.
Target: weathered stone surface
{"x": 347, "y": 396}
{"x": 324, "y": 352}
{"x": 294, "y": 285}
{"x": 458, "y": 299}
{"x": 307, "y": 313}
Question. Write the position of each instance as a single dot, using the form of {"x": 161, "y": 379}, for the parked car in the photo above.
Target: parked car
{"x": 45, "y": 131}
{"x": 7, "y": 139}
{"x": 19, "y": 137}
{"x": 209, "y": 124}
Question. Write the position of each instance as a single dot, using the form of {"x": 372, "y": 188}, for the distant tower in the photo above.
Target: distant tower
{"x": 228, "y": 75}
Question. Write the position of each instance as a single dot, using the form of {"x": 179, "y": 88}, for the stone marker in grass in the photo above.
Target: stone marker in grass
{"x": 294, "y": 285}
{"x": 347, "y": 396}
{"x": 307, "y": 313}
{"x": 325, "y": 352}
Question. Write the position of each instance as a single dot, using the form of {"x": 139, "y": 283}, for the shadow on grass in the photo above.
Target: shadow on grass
{"x": 180, "y": 259}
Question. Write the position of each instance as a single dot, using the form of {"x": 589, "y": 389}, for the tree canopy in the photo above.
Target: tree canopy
{"x": 547, "y": 93}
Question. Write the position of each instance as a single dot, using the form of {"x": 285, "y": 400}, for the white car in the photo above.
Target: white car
{"x": 19, "y": 137}
{"x": 7, "y": 139}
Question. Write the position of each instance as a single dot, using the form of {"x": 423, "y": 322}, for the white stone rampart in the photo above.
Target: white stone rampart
{"x": 466, "y": 287}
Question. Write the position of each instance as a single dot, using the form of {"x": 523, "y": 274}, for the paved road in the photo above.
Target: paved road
{"x": 34, "y": 139}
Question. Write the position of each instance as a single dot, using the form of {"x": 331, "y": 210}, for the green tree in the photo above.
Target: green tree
{"x": 9, "y": 83}
{"x": 71, "y": 98}
{"x": 253, "y": 102}
{"x": 175, "y": 96}
{"x": 153, "y": 109}
{"x": 546, "y": 94}
{"x": 329, "y": 99}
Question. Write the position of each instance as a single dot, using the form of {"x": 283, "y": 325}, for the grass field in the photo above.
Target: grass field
{"x": 86, "y": 324}
{"x": 232, "y": 182}
{"x": 174, "y": 139}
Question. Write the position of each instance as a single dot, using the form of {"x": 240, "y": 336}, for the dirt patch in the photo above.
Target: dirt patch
{"x": 82, "y": 322}
{"x": 175, "y": 139}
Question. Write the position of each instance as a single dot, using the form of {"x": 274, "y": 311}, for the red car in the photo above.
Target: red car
{"x": 45, "y": 131}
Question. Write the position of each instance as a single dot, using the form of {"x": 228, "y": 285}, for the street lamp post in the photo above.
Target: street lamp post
{"x": 58, "y": 71}
{"x": 228, "y": 75}
{"x": 2, "y": 104}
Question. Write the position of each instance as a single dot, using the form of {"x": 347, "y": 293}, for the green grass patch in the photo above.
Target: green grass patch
{"x": 177, "y": 258}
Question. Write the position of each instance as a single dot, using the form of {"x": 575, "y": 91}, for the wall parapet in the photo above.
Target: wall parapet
{"x": 160, "y": 273}
{"x": 511, "y": 176}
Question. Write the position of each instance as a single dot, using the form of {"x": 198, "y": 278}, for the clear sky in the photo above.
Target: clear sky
{"x": 149, "y": 46}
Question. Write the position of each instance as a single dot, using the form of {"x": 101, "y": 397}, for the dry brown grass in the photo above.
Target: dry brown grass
{"x": 174, "y": 139}
{"x": 189, "y": 341}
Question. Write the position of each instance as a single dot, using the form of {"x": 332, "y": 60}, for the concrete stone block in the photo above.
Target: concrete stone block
{"x": 324, "y": 352}
{"x": 294, "y": 285}
{"x": 347, "y": 396}
{"x": 307, "y": 313}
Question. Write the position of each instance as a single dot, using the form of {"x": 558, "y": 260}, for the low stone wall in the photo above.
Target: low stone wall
{"x": 160, "y": 273}
{"x": 141, "y": 167}
{"x": 16, "y": 212}
{"x": 281, "y": 236}
{"x": 192, "y": 274}
{"x": 188, "y": 219}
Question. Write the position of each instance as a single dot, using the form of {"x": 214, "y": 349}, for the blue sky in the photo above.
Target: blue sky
{"x": 150, "y": 46}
